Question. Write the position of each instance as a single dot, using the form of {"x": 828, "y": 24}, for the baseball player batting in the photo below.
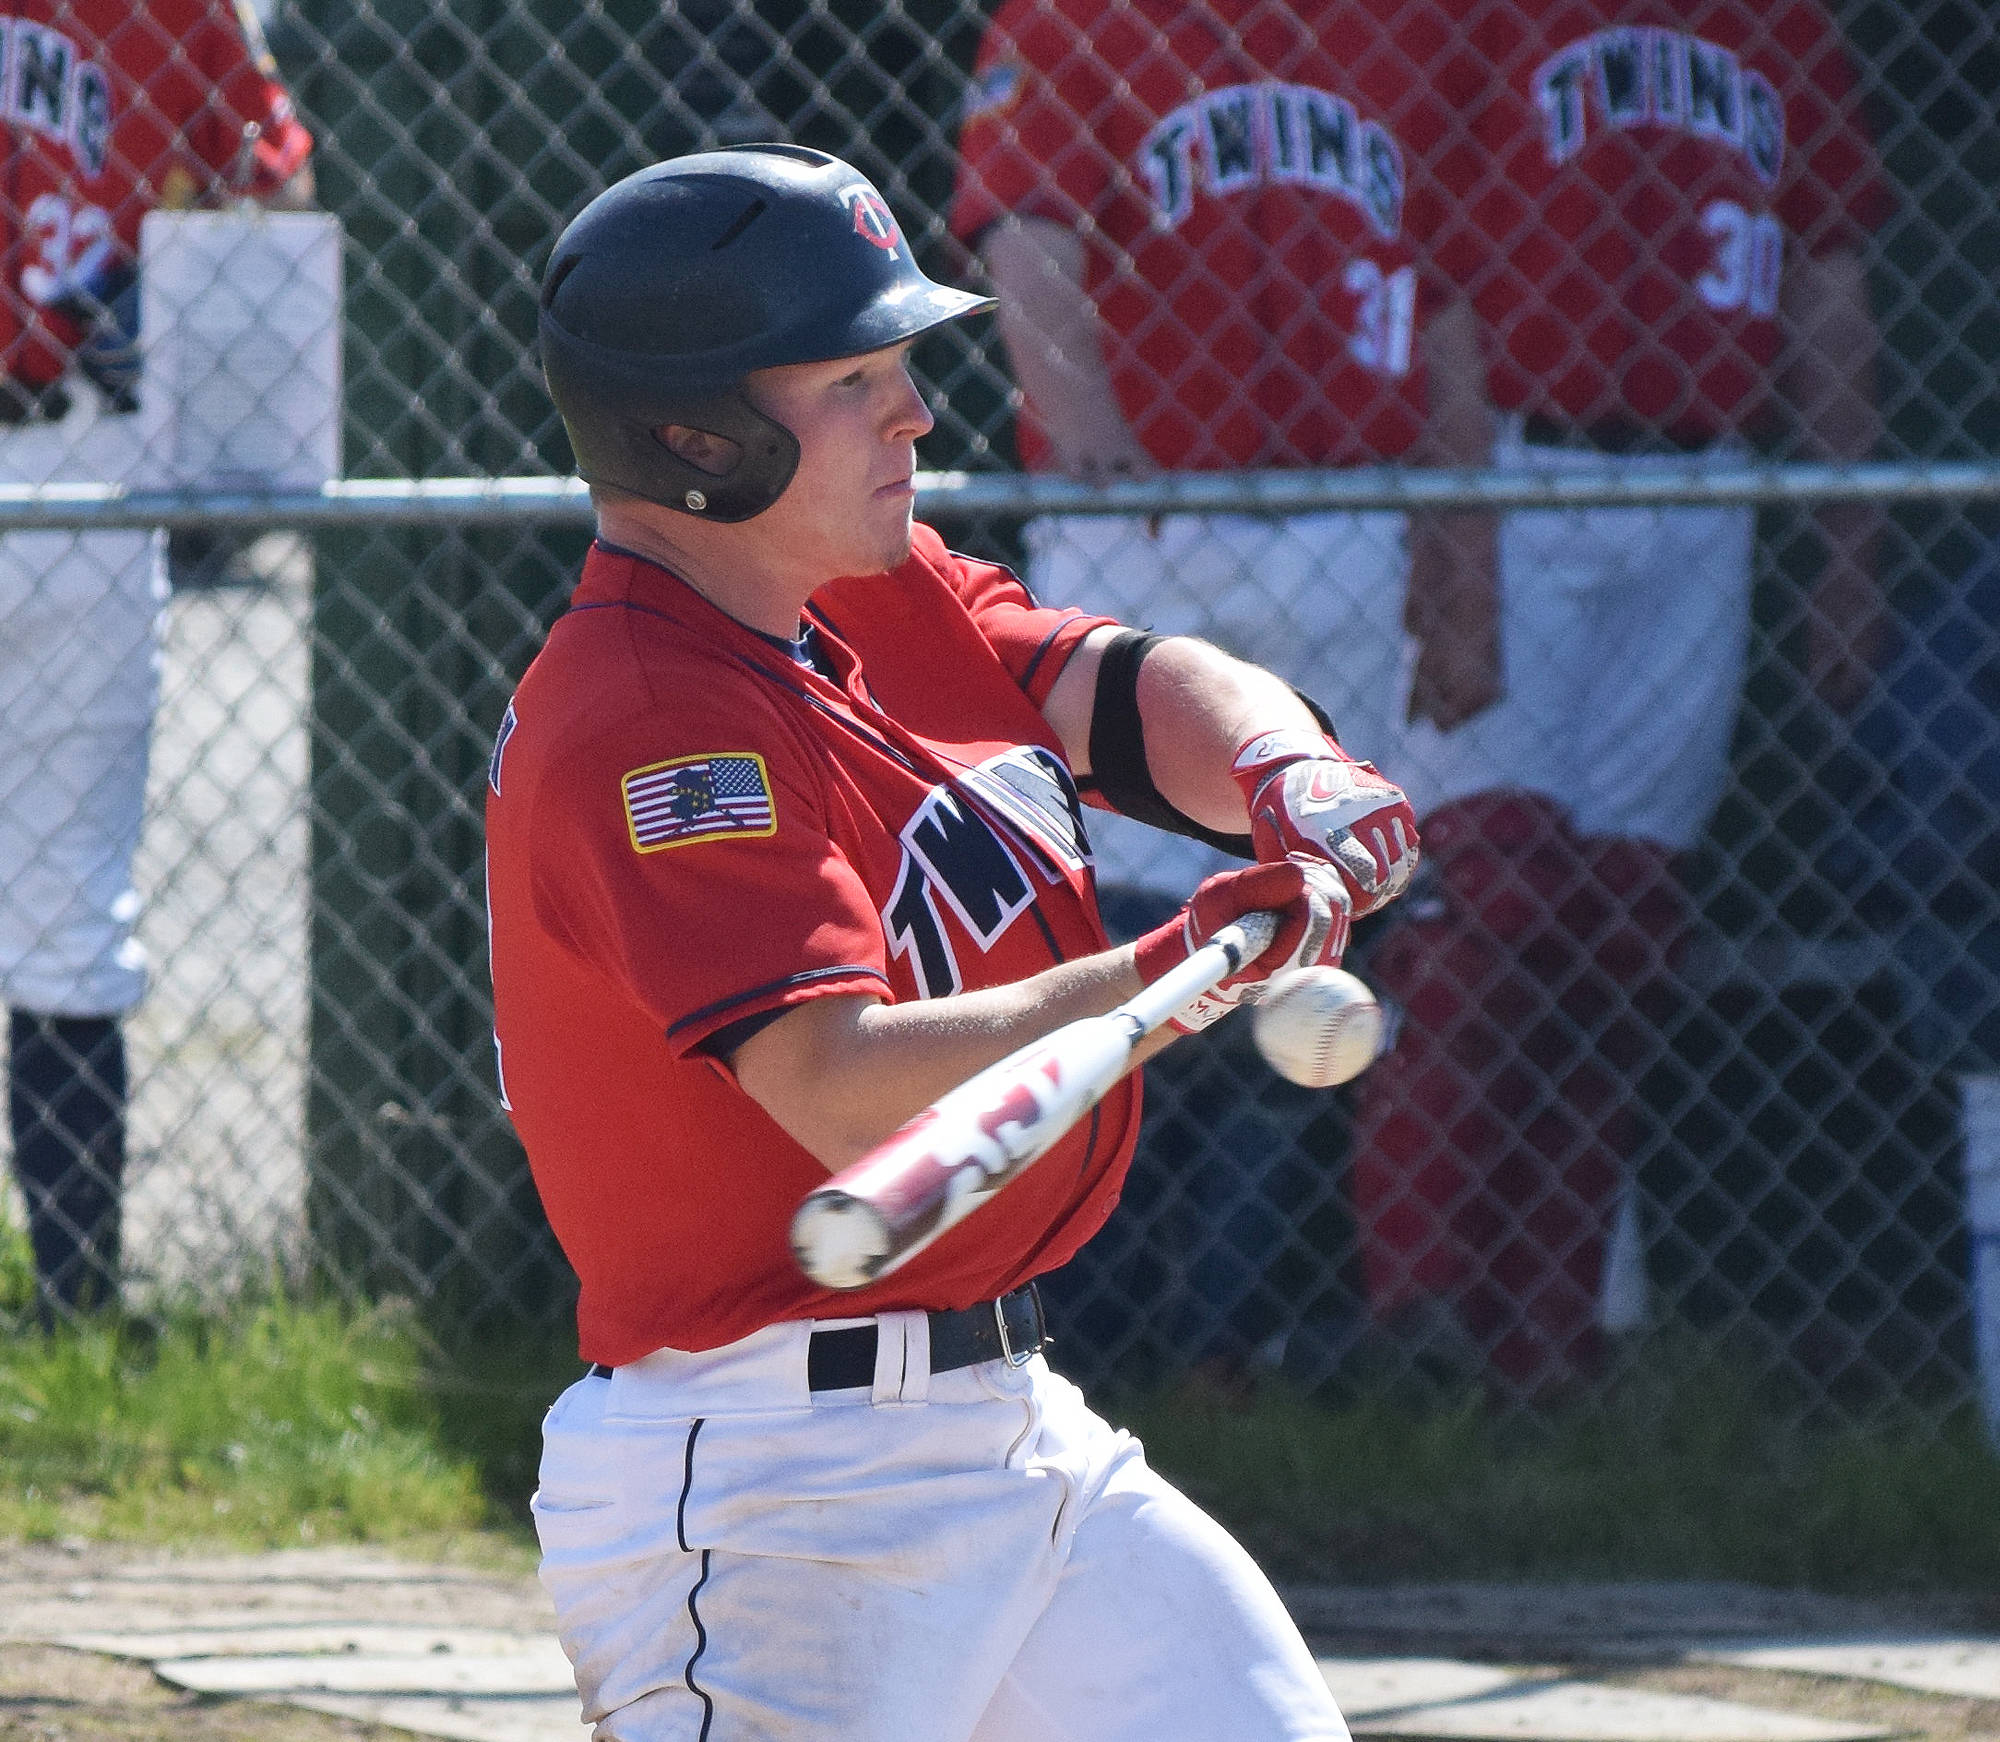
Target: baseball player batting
{"x": 785, "y": 843}
{"x": 112, "y": 108}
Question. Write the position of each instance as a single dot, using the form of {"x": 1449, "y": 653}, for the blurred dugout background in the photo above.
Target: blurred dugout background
{"x": 312, "y": 1078}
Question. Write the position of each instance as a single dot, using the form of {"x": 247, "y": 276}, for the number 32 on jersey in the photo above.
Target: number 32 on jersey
{"x": 69, "y": 248}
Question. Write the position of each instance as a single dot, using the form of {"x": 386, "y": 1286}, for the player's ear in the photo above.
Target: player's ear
{"x": 703, "y": 449}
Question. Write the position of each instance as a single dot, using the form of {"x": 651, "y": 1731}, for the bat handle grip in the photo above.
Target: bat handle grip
{"x": 1247, "y": 938}
{"x": 1242, "y": 940}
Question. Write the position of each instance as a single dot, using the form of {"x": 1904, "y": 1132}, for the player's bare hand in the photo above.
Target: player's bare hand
{"x": 1105, "y": 454}
{"x": 1314, "y": 919}
{"x": 1453, "y": 614}
{"x": 1306, "y": 795}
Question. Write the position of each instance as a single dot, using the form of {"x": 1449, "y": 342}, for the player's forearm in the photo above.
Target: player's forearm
{"x": 1053, "y": 339}
{"x": 1453, "y": 603}
{"x": 1829, "y": 384}
{"x": 840, "y": 1074}
{"x": 1458, "y": 427}
{"x": 1199, "y": 706}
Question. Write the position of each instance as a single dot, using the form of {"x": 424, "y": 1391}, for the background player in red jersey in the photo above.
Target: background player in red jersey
{"x": 1205, "y": 224}
{"x": 1661, "y": 208}
{"x": 784, "y": 841}
{"x": 111, "y": 109}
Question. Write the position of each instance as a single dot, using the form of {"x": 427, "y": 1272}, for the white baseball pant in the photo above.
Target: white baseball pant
{"x": 79, "y": 677}
{"x": 1316, "y": 598}
{"x": 970, "y": 1556}
{"x": 1624, "y": 634}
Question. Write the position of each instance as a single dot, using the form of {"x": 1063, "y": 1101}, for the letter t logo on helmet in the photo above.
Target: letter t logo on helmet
{"x": 873, "y": 221}
{"x": 674, "y": 284}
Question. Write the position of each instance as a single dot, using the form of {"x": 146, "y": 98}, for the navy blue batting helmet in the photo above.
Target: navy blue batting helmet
{"x": 673, "y": 285}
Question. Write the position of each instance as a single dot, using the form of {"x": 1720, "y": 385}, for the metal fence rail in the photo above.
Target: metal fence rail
{"x": 1792, "y": 1107}
{"x": 957, "y": 496}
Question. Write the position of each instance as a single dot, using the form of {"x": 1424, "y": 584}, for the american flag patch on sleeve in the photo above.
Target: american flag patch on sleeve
{"x": 698, "y": 798}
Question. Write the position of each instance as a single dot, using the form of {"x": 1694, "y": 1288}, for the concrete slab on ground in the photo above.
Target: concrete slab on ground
{"x": 1365, "y": 1686}
{"x": 48, "y": 1591}
{"x": 1569, "y": 1711}
{"x": 1963, "y": 1666}
{"x": 1534, "y": 1623}
{"x": 278, "y": 1638}
{"x": 535, "y": 1666}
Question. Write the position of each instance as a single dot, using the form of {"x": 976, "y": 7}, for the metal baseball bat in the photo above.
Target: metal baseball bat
{"x": 934, "y": 1171}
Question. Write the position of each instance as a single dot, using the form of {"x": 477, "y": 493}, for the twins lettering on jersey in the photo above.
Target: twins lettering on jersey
{"x": 1247, "y": 136}
{"x": 954, "y": 860}
{"x": 50, "y": 87}
{"x": 1632, "y": 76}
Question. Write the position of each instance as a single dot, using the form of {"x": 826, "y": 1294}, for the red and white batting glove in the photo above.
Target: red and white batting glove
{"x": 1311, "y": 901}
{"x": 1307, "y": 795}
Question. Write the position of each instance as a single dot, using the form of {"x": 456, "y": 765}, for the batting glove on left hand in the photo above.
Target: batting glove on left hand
{"x": 1313, "y": 923}
{"x": 1307, "y": 796}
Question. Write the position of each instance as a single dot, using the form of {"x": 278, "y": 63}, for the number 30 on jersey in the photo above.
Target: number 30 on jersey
{"x": 1749, "y": 257}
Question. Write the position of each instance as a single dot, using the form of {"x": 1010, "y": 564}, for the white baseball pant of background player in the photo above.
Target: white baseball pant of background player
{"x": 971, "y": 1556}
{"x": 1623, "y": 633}
{"x": 79, "y": 675}
{"x": 242, "y": 385}
{"x": 1316, "y": 598}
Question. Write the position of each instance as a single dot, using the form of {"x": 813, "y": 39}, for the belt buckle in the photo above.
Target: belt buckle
{"x": 1015, "y": 1357}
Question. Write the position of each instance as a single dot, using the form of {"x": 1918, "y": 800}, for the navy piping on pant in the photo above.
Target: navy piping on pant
{"x": 700, "y": 1645}
{"x": 694, "y": 1612}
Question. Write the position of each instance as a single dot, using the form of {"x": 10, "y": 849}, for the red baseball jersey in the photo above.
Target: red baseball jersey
{"x": 689, "y": 830}
{"x": 1249, "y": 183}
{"x": 1635, "y": 174}
{"x": 113, "y": 107}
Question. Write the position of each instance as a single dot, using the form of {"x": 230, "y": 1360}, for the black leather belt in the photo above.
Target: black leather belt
{"x": 1611, "y": 436}
{"x": 1010, "y": 1329}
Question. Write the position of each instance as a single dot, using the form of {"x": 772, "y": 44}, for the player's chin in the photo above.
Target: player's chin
{"x": 890, "y": 527}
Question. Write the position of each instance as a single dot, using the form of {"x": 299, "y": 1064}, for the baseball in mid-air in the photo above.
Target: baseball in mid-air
{"x": 1317, "y": 1026}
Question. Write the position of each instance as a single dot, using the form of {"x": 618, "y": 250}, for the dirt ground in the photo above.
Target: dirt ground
{"x": 51, "y": 1695}
{"x": 1623, "y": 1635}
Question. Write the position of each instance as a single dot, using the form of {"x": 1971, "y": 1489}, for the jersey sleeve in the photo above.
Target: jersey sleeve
{"x": 1033, "y": 641}
{"x": 1023, "y": 149}
{"x": 243, "y": 93}
{"x": 696, "y": 870}
{"x": 1833, "y": 193}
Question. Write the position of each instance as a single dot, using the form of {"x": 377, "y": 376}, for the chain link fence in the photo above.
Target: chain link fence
{"x": 1710, "y": 1053}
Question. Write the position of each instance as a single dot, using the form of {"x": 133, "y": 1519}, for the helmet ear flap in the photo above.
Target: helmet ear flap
{"x": 767, "y": 454}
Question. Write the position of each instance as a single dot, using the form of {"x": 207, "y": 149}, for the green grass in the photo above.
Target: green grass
{"x": 281, "y": 1423}
{"x": 1690, "y": 1471}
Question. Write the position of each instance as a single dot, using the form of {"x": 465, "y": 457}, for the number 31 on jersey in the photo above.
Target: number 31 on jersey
{"x": 1385, "y": 316}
